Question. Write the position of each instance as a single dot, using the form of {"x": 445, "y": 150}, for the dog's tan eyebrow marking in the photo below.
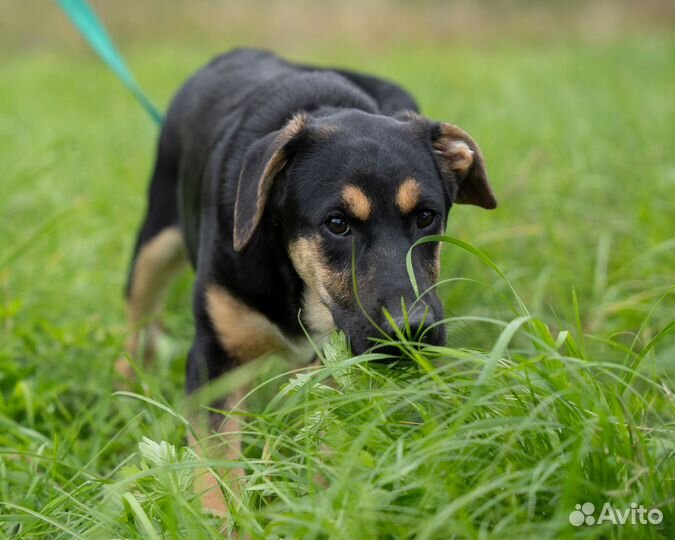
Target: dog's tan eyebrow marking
{"x": 408, "y": 195}
{"x": 357, "y": 201}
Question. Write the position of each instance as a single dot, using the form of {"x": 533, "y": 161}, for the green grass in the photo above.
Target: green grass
{"x": 556, "y": 386}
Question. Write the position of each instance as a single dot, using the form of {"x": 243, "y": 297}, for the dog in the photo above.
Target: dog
{"x": 295, "y": 193}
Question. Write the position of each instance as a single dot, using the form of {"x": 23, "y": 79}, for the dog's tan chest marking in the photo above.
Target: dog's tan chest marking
{"x": 408, "y": 195}
{"x": 242, "y": 331}
{"x": 357, "y": 201}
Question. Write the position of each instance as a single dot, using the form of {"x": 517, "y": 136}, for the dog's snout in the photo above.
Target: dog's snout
{"x": 413, "y": 325}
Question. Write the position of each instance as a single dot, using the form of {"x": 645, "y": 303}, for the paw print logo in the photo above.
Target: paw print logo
{"x": 583, "y": 513}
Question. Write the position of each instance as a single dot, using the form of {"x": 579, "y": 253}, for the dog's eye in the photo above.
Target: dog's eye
{"x": 425, "y": 218}
{"x": 337, "y": 225}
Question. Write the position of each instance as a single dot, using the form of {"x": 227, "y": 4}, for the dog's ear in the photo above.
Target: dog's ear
{"x": 459, "y": 157}
{"x": 263, "y": 162}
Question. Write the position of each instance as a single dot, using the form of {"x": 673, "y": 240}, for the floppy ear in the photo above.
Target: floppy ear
{"x": 459, "y": 157}
{"x": 263, "y": 161}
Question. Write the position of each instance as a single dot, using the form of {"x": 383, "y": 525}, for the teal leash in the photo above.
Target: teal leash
{"x": 86, "y": 21}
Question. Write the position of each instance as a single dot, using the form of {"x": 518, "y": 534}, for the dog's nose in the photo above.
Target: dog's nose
{"x": 414, "y": 325}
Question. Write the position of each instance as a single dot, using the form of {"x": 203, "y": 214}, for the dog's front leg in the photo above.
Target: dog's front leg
{"x": 214, "y": 435}
{"x": 217, "y": 436}
{"x": 229, "y": 333}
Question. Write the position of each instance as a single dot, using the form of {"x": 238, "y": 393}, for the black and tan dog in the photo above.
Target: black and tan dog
{"x": 271, "y": 178}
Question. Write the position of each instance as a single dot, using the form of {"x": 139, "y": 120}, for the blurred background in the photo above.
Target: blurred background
{"x": 299, "y": 26}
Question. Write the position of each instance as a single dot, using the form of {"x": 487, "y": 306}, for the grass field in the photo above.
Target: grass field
{"x": 555, "y": 389}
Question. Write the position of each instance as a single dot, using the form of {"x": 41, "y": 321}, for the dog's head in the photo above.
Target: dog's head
{"x": 352, "y": 192}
